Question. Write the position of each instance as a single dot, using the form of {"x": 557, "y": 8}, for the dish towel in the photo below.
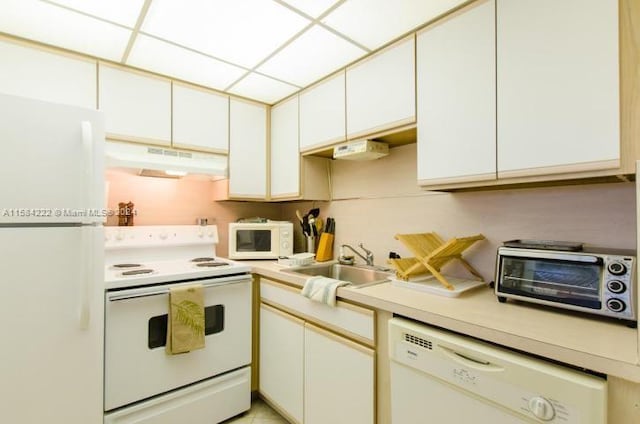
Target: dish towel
{"x": 322, "y": 289}
{"x": 185, "y": 324}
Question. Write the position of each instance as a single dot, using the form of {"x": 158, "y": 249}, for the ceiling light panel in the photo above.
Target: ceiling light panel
{"x": 123, "y": 12}
{"x": 313, "y": 55}
{"x": 60, "y": 27}
{"x": 243, "y": 32}
{"x": 373, "y": 23}
{"x": 261, "y": 88}
{"x": 168, "y": 59}
{"x": 313, "y": 8}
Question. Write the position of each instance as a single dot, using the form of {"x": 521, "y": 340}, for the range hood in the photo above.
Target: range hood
{"x": 161, "y": 161}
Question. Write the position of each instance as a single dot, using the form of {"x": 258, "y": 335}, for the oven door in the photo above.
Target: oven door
{"x": 566, "y": 279}
{"x": 136, "y": 364}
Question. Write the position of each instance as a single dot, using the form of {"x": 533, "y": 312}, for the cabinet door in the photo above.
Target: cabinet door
{"x": 200, "y": 119}
{"x": 456, "y": 97}
{"x": 381, "y": 90}
{"x": 338, "y": 379}
{"x": 285, "y": 156}
{"x": 322, "y": 113}
{"x": 44, "y": 75}
{"x": 247, "y": 150}
{"x": 137, "y": 106}
{"x": 558, "y": 86}
{"x": 281, "y": 360}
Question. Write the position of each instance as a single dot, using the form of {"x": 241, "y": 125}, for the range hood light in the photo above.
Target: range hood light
{"x": 175, "y": 173}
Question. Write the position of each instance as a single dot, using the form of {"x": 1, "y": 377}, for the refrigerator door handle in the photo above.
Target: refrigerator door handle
{"x": 87, "y": 148}
{"x": 86, "y": 282}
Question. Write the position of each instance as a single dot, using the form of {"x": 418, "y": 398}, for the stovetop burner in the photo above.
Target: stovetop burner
{"x": 203, "y": 259}
{"x": 125, "y": 266}
{"x": 211, "y": 264}
{"x": 137, "y": 272}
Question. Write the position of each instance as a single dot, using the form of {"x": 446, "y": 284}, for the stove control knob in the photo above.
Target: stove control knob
{"x": 119, "y": 236}
{"x": 201, "y": 234}
{"x": 541, "y": 408}
{"x": 210, "y": 234}
{"x": 163, "y": 236}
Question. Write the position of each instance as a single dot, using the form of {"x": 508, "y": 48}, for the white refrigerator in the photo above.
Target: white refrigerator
{"x": 51, "y": 263}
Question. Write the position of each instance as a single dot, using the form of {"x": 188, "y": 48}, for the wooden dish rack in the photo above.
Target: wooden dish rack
{"x": 431, "y": 254}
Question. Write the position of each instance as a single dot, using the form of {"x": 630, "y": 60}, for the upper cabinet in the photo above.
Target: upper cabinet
{"x": 322, "y": 113}
{"x": 558, "y": 86}
{"x": 247, "y": 150}
{"x": 137, "y": 106}
{"x": 535, "y": 96}
{"x": 285, "y": 156}
{"x": 46, "y": 75}
{"x": 456, "y": 92}
{"x": 200, "y": 119}
{"x": 294, "y": 176}
{"x": 380, "y": 90}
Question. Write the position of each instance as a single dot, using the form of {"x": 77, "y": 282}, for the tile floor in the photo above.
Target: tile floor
{"x": 260, "y": 413}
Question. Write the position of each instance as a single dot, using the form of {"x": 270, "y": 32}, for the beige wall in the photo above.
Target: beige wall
{"x": 375, "y": 200}
{"x": 165, "y": 201}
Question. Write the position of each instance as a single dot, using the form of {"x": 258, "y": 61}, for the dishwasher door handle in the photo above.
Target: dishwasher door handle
{"x": 469, "y": 361}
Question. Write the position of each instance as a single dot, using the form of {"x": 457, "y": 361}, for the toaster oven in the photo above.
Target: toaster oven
{"x": 600, "y": 282}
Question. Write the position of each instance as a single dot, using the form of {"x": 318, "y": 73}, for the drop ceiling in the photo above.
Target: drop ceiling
{"x": 260, "y": 49}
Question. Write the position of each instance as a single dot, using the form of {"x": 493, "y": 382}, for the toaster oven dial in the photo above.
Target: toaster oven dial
{"x": 616, "y": 286}
{"x": 617, "y": 268}
{"x": 616, "y": 305}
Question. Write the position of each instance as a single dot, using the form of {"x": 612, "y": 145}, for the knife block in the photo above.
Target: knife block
{"x": 325, "y": 248}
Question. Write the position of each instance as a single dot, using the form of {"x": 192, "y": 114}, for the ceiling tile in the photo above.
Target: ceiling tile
{"x": 261, "y": 88}
{"x": 238, "y": 31}
{"x": 313, "y": 55}
{"x": 53, "y": 25}
{"x": 313, "y": 8}
{"x": 164, "y": 58}
{"x": 123, "y": 12}
{"x": 373, "y": 23}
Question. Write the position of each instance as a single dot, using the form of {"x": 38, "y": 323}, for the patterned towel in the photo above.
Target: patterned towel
{"x": 322, "y": 289}
{"x": 185, "y": 324}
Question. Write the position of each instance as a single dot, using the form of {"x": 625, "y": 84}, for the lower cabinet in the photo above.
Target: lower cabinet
{"x": 338, "y": 379}
{"x": 309, "y": 374}
{"x": 282, "y": 361}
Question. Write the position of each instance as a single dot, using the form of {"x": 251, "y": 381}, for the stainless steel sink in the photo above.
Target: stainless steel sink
{"x": 358, "y": 276}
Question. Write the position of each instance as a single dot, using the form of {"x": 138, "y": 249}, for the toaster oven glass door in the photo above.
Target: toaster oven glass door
{"x": 563, "y": 281}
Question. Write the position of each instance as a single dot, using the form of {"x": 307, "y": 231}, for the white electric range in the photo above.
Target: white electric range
{"x": 143, "y": 384}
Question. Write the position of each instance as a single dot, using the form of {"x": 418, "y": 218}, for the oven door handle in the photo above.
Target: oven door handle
{"x": 117, "y": 295}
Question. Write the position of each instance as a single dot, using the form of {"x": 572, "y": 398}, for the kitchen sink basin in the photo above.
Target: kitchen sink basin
{"x": 358, "y": 276}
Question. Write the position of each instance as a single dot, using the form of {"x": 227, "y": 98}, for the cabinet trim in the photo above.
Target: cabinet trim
{"x": 46, "y": 48}
{"x": 187, "y": 146}
{"x": 561, "y": 169}
{"x": 387, "y": 128}
{"x": 454, "y": 180}
{"x": 137, "y": 140}
{"x": 277, "y": 408}
{"x": 281, "y": 313}
{"x": 134, "y": 71}
{"x": 340, "y": 339}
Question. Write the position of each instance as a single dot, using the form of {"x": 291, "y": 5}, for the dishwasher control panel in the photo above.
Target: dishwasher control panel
{"x": 470, "y": 379}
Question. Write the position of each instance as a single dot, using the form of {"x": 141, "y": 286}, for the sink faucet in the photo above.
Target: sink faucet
{"x": 368, "y": 259}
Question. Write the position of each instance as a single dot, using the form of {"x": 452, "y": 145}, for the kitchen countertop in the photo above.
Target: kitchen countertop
{"x": 588, "y": 342}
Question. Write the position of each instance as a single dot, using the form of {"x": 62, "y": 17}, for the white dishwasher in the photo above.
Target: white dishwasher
{"x": 440, "y": 377}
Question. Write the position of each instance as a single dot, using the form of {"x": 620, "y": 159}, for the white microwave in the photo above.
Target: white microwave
{"x": 264, "y": 240}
